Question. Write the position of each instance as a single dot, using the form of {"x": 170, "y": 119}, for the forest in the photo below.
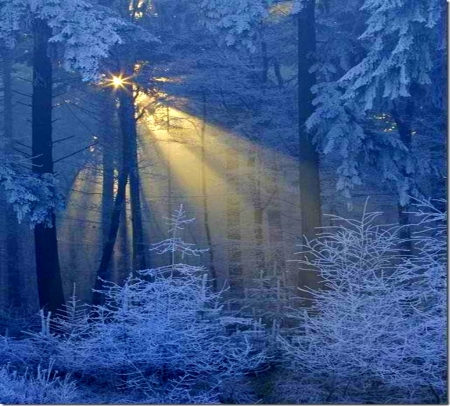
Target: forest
{"x": 223, "y": 201}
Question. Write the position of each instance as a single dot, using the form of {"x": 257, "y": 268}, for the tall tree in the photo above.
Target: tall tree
{"x": 127, "y": 64}
{"x": 127, "y": 117}
{"x": 255, "y": 177}
{"x": 274, "y": 221}
{"x": 12, "y": 240}
{"x": 104, "y": 270}
{"x": 309, "y": 180}
{"x": 50, "y": 289}
{"x": 206, "y": 214}
{"x": 108, "y": 141}
{"x": 72, "y": 24}
{"x": 233, "y": 218}
{"x": 239, "y": 22}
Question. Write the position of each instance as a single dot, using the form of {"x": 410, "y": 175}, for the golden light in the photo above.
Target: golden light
{"x": 117, "y": 81}
{"x": 189, "y": 162}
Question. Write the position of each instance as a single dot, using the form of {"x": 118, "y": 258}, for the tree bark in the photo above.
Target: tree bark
{"x": 48, "y": 271}
{"x": 123, "y": 264}
{"x": 103, "y": 271}
{"x": 129, "y": 171}
{"x": 128, "y": 127}
{"x": 233, "y": 216}
{"x": 212, "y": 269}
{"x": 169, "y": 175}
{"x": 107, "y": 163}
{"x": 309, "y": 181}
{"x": 258, "y": 209}
{"x": 7, "y": 94}
{"x": 12, "y": 241}
{"x": 274, "y": 221}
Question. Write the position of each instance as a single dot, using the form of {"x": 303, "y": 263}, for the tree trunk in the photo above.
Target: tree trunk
{"x": 233, "y": 216}
{"x": 124, "y": 265}
{"x": 129, "y": 170}
{"x": 254, "y": 166}
{"x": 128, "y": 126}
{"x": 12, "y": 241}
{"x": 274, "y": 221}
{"x": 107, "y": 141}
{"x": 309, "y": 181}
{"x": 212, "y": 269}
{"x": 7, "y": 95}
{"x": 169, "y": 176}
{"x": 49, "y": 281}
{"x": 108, "y": 248}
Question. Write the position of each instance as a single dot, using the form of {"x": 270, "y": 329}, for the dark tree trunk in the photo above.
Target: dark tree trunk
{"x": 274, "y": 221}
{"x": 309, "y": 181}
{"x": 233, "y": 216}
{"x": 169, "y": 176}
{"x": 258, "y": 210}
{"x": 212, "y": 269}
{"x": 107, "y": 141}
{"x": 123, "y": 264}
{"x": 7, "y": 94}
{"x": 128, "y": 127}
{"x": 49, "y": 282}
{"x": 103, "y": 271}
{"x": 12, "y": 241}
{"x": 129, "y": 170}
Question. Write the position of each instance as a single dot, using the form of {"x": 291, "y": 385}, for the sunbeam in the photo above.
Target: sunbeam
{"x": 197, "y": 162}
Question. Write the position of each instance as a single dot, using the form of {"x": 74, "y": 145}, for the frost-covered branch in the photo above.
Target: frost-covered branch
{"x": 87, "y": 33}
{"x": 33, "y": 197}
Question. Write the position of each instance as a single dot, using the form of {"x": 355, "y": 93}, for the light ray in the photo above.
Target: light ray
{"x": 179, "y": 146}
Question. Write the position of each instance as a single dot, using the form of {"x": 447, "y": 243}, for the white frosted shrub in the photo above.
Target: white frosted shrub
{"x": 375, "y": 331}
{"x": 161, "y": 334}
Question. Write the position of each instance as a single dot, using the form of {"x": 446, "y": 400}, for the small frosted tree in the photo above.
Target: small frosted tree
{"x": 161, "y": 334}
{"x": 376, "y": 331}
{"x": 177, "y": 222}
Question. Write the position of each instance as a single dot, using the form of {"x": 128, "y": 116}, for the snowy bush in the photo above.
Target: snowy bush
{"x": 376, "y": 331}
{"x": 161, "y": 334}
{"x": 46, "y": 387}
{"x": 33, "y": 197}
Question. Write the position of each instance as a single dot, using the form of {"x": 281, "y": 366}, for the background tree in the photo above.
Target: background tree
{"x": 54, "y": 25}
